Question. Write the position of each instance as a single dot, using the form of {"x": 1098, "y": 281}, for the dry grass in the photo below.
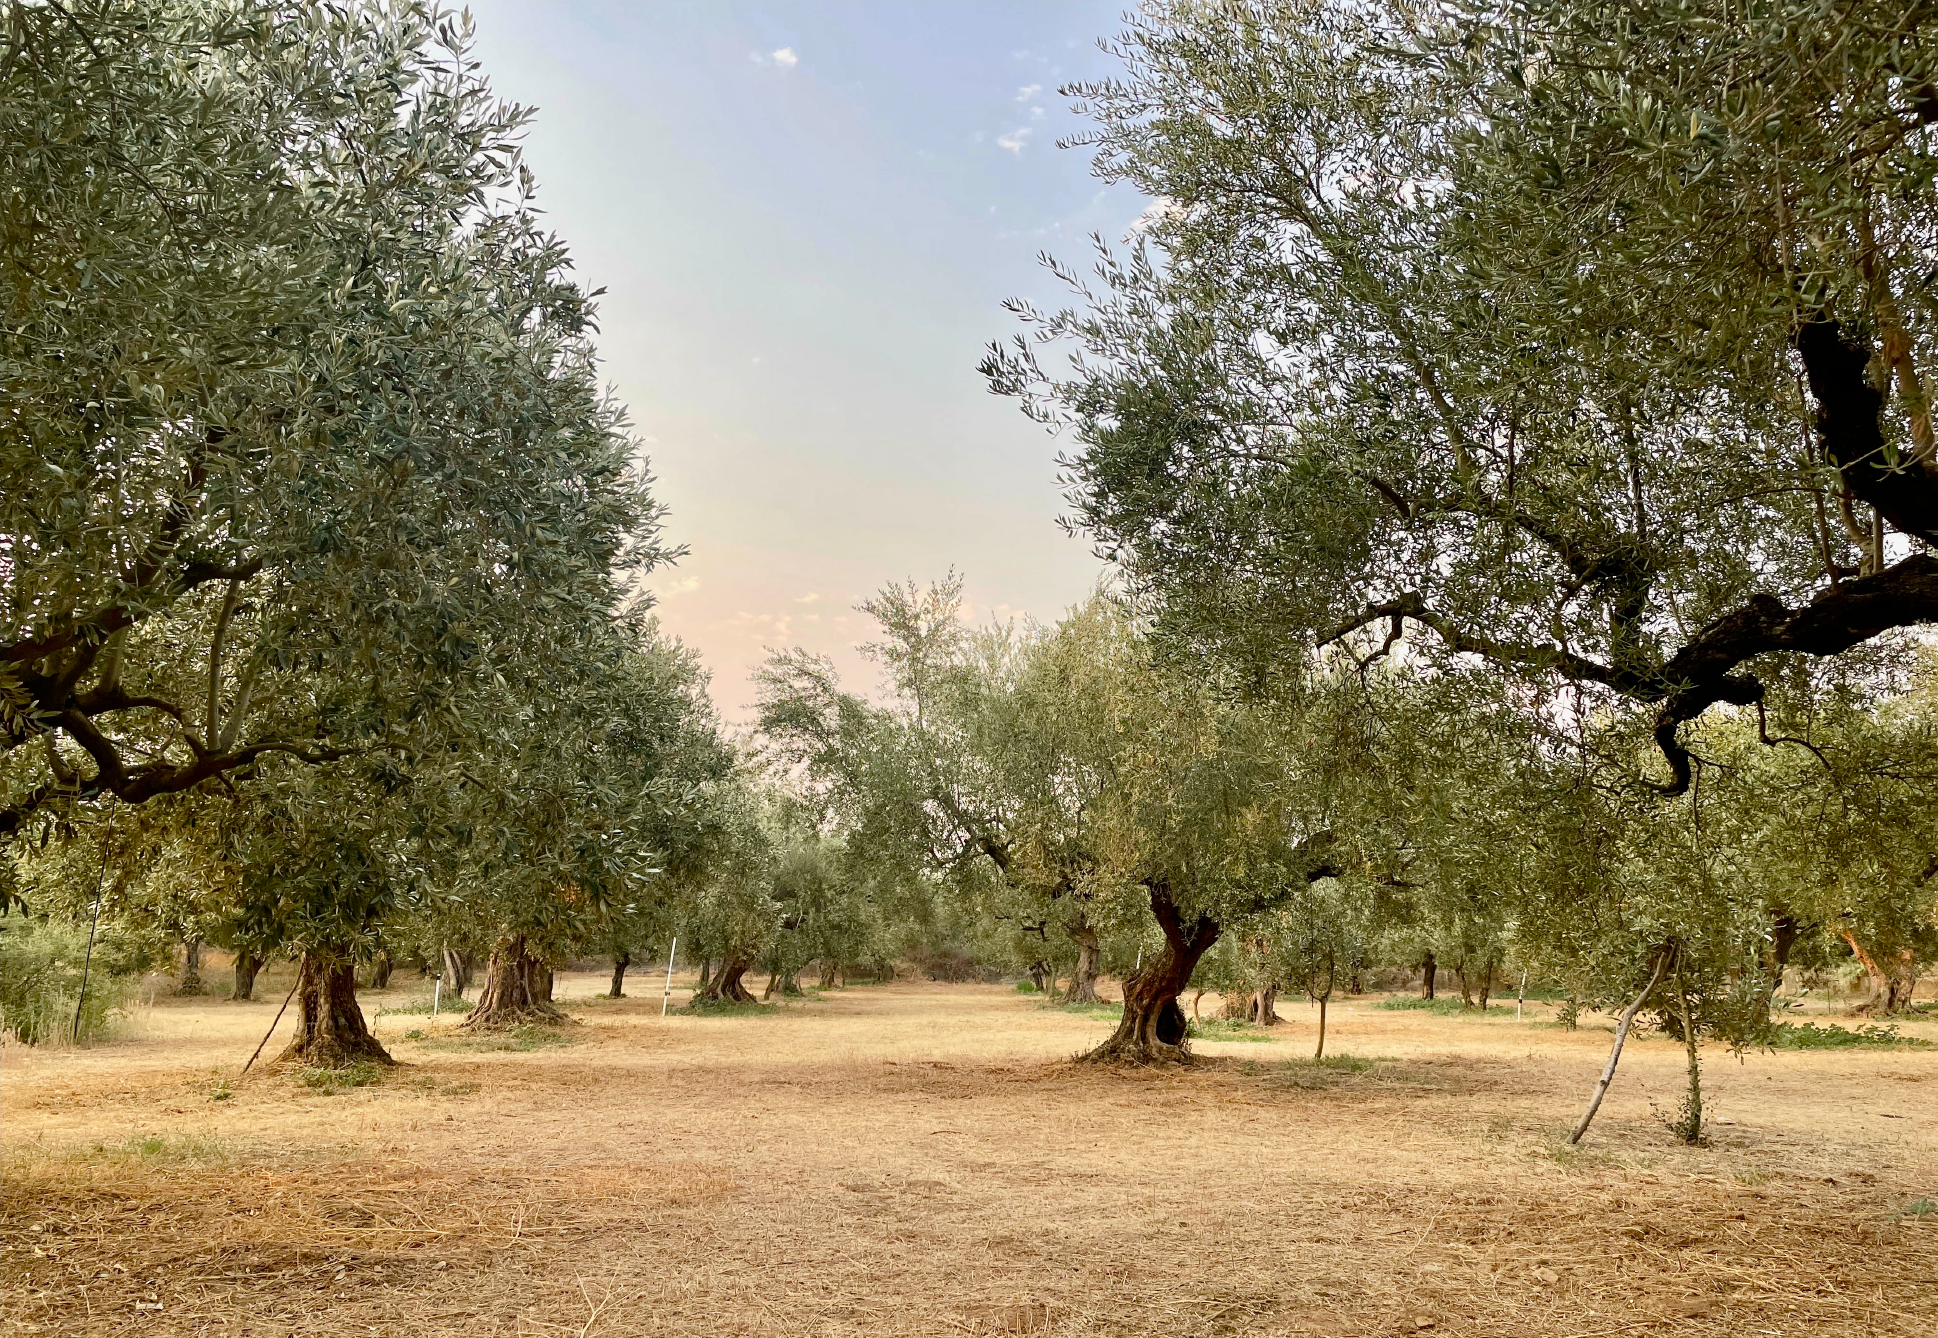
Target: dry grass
{"x": 919, "y": 1159}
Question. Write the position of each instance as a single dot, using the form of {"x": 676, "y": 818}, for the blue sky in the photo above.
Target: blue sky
{"x": 806, "y": 216}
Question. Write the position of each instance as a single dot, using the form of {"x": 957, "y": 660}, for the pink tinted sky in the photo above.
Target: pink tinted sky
{"x": 806, "y": 216}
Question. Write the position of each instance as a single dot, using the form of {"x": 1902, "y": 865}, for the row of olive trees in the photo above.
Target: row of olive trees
{"x": 321, "y": 540}
{"x": 1575, "y": 357}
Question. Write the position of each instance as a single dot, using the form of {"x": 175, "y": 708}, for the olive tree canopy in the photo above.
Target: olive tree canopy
{"x": 1590, "y": 339}
{"x": 302, "y": 432}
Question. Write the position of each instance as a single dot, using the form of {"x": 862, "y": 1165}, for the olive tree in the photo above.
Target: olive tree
{"x": 1588, "y": 341}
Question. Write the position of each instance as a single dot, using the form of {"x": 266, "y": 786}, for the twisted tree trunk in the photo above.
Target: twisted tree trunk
{"x": 517, "y": 989}
{"x": 1090, "y": 957}
{"x": 1153, "y": 1029}
{"x": 330, "y": 1030}
{"x": 1428, "y": 969}
{"x": 726, "y": 986}
{"x": 380, "y": 968}
{"x": 620, "y": 961}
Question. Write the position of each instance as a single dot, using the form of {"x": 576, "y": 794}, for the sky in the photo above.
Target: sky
{"x": 806, "y": 217}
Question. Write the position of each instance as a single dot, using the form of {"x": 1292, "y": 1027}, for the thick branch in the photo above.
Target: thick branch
{"x": 1850, "y": 428}
{"x": 1843, "y": 616}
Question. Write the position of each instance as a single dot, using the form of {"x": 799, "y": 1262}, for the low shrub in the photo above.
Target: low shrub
{"x": 1027, "y": 987}
{"x": 1443, "y": 1007}
{"x": 1228, "y": 1029}
{"x": 40, "y": 980}
{"x": 1810, "y": 1036}
{"x": 415, "y": 1007}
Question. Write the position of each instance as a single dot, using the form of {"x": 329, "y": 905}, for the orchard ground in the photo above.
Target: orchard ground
{"x": 923, "y": 1159}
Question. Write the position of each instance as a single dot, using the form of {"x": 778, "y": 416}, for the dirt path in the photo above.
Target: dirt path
{"x": 918, "y": 1159}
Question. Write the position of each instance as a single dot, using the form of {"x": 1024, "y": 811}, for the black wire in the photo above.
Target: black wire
{"x": 88, "y": 961}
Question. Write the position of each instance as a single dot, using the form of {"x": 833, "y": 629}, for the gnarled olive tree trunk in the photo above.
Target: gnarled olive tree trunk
{"x": 1428, "y": 970}
{"x": 517, "y": 989}
{"x": 725, "y": 985}
{"x": 1090, "y": 961}
{"x": 330, "y": 1030}
{"x": 620, "y": 961}
{"x": 381, "y": 967}
{"x": 1153, "y": 1028}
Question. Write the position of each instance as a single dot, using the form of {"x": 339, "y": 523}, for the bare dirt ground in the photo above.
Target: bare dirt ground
{"x": 922, "y": 1159}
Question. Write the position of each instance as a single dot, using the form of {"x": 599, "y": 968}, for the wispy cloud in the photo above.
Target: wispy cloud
{"x": 785, "y": 58}
{"x": 1028, "y": 91}
{"x": 808, "y": 598}
{"x": 1036, "y": 113}
{"x": 1014, "y": 140}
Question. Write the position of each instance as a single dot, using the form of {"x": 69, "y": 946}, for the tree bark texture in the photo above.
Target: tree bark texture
{"x": 620, "y": 961}
{"x": 1153, "y": 1029}
{"x": 380, "y": 968}
{"x": 247, "y": 965}
{"x": 1428, "y": 969}
{"x": 726, "y": 985}
{"x": 517, "y": 989}
{"x": 1090, "y": 957}
{"x": 330, "y": 1030}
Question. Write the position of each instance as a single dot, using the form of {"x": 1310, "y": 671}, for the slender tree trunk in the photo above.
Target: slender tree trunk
{"x": 517, "y": 989}
{"x": 726, "y": 986}
{"x": 1615, "y": 1051}
{"x": 1689, "y": 1127}
{"x": 1486, "y": 982}
{"x": 706, "y": 974}
{"x": 247, "y": 964}
{"x": 1320, "y": 1052}
{"x": 1090, "y": 958}
{"x": 380, "y": 968}
{"x": 191, "y": 981}
{"x": 330, "y": 1030}
{"x": 1428, "y": 969}
{"x": 1153, "y": 1029}
{"x": 620, "y": 961}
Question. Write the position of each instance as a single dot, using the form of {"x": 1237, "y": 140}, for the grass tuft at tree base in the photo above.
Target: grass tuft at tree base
{"x": 724, "y": 1008}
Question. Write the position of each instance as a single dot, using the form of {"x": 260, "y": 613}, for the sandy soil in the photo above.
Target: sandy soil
{"x": 922, "y": 1159}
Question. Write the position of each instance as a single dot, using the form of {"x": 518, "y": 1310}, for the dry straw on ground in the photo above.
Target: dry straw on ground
{"x": 920, "y": 1159}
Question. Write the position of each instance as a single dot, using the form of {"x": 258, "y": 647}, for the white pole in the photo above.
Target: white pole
{"x": 666, "y": 998}
{"x": 437, "y": 992}
{"x": 1521, "y": 998}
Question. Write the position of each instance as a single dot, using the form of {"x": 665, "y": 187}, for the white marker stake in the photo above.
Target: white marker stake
{"x": 665, "y": 998}
{"x": 1521, "y": 998}
{"x": 437, "y": 991}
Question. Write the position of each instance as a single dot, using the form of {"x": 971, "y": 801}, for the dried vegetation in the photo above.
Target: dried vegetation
{"x": 921, "y": 1159}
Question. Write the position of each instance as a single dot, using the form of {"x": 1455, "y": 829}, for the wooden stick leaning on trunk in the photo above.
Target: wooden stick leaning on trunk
{"x": 1615, "y": 1051}
{"x": 279, "y": 1017}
